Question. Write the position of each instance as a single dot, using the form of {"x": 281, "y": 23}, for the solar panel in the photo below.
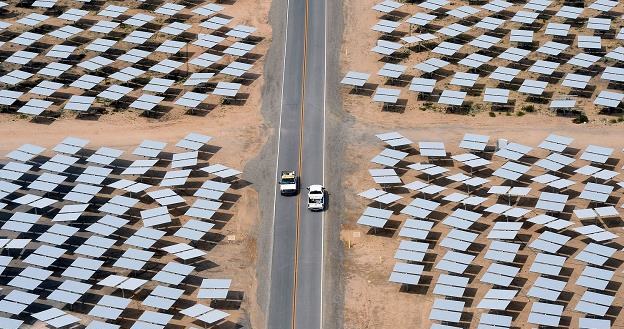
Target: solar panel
{"x": 504, "y": 230}
{"x": 158, "y": 85}
{"x": 385, "y": 176}
{"x": 488, "y": 321}
{"x": 609, "y": 99}
{"x": 484, "y": 41}
{"x": 133, "y": 259}
{"x": 15, "y": 77}
{"x": 55, "y": 317}
{"x": 547, "y": 264}
{"x": 446, "y": 310}
{"x": 155, "y": 216}
{"x": 496, "y": 95}
{"x": 26, "y": 38}
{"x": 415, "y": 229}
{"x": 204, "y": 313}
{"x": 462, "y": 219}
{"x": 214, "y": 288}
{"x": 451, "y": 285}
{"x": 455, "y": 262}
{"x": 8, "y": 97}
{"x": 145, "y": 237}
{"x": 498, "y": 274}
{"x": 180, "y": 160}
{"x": 30, "y": 278}
{"x": 533, "y": 87}
{"x": 590, "y": 323}
{"x": 173, "y": 273}
{"x": 208, "y": 9}
{"x": 595, "y": 153}
{"x": 386, "y": 95}
{"x": 215, "y": 22}
{"x": 374, "y": 217}
{"x": 236, "y": 69}
{"x": 139, "y": 167}
{"x": 35, "y": 107}
{"x": 447, "y": 48}
{"x": 44, "y": 256}
{"x": 551, "y": 201}
{"x": 162, "y": 297}
{"x": 121, "y": 282}
{"x": 169, "y": 9}
{"x": 514, "y": 54}
{"x": 430, "y": 65}
{"x": 595, "y": 278}
{"x": 21, "y": 222}
{"x": 557, "y": 29}
{"x": 463, "y": 12}
{"x": 57, "y": 234}
{"x": 595, "y": 233}
{"x": 521, "y": 36}
{"x": 107, "y": 225}
{"x": 110, "y": 307}
{"x": 385, "y": 26}
{"x": 504, "y": 74}
{"x": 20, "y": 57}
{"x": 545, "y": 314}
{"x": 73, "y": 14}
{"x": 594, "y": 303}
{"x": 458, "y": 240}
{"x": 227, "y": 89}
{"x": 82, "y": 268}
{"x": 184, "y": 251}
{"x": 464, "y": 79}
{"x": 497, "y": 299}
{"x": 450, "y": 97}
{"x": 131, "y": 56}
{"x": 546, "y": 289}
{"x": 617, "y": 53}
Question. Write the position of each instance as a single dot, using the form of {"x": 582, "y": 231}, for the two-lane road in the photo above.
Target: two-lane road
{"x": 297, "y": 255}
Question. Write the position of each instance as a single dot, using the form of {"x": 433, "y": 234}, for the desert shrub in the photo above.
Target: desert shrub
{"x": 528, "y": 108}
{"x": 582, "y": 118}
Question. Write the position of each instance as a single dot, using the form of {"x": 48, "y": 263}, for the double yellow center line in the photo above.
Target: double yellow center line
{"x": 300, "y": 165}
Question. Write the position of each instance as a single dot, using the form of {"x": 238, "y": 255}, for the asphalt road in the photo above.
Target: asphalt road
{"x": 295, "y": 299}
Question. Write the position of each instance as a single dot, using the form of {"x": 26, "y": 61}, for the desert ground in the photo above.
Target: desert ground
{"x": 359, "y": 39}
{"x": 370, "y": 300}
{"x": 238, "y": 130}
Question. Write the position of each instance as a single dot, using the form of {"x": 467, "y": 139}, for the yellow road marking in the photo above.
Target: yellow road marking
{"x": 300, "y": 166}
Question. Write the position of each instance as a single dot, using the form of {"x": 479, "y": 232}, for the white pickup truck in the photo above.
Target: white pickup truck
{"x": 288, "y": 182}
{"x": 316, "y": 197}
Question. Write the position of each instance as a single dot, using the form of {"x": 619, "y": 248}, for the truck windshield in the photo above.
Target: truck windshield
{"x": 289, "y": 180}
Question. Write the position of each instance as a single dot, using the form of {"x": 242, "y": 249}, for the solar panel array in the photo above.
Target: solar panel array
{"x": 92, "y": 57}
{"x": 85, "y": 244}
{"x": 505, "y": 55}
{"x": 529, "y": 252}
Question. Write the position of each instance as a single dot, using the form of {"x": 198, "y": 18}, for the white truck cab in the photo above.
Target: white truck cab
{"x": 316, "y": 197}
{"x": 288, "y": 182}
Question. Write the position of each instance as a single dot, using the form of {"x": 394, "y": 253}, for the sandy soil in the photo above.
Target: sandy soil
{"x": 235, "y": 259}
{"x": 359, "y": 39}
{"x": 251, "y": 13}
{"x": 370, "y": 301}
{"x": 238, "y": 130}
{"x": 373, "y": 302}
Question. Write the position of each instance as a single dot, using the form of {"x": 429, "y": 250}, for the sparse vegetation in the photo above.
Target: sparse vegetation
{"x": 520, "y": 113}
{"x": 492, "y": 114}
{"x": 582, "y": 118}
{"x": 528, "y": 108}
